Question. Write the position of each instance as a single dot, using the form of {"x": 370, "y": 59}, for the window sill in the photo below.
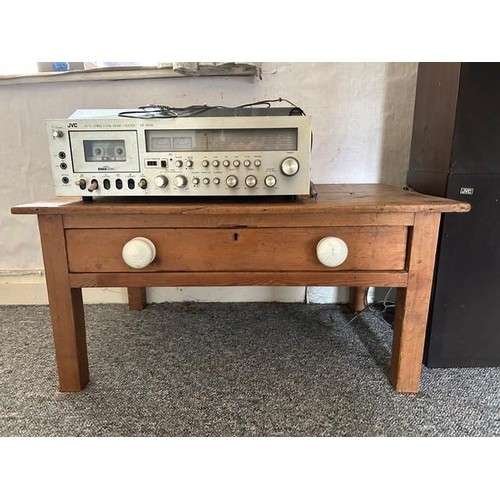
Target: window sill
{"x": 131, "y": 73}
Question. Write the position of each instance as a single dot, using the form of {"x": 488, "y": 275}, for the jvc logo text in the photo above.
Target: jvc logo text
{"x": 72, "y": 125}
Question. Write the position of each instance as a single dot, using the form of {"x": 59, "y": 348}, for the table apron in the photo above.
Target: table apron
{"x": 252, "y": 278}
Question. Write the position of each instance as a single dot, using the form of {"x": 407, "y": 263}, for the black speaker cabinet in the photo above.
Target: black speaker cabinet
{"x": 455, "y": 152}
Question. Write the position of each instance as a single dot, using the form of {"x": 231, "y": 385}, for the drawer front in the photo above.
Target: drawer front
{"x": 260, "y": 249}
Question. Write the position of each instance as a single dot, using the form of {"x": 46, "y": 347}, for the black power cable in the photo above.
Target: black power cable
{"x": 162, "y": 111}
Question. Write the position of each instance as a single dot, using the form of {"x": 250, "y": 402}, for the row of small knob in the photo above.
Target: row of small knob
{"x": 217, "y": 163}
{"x": 140, "y": 252}
{"x": 232, "y": 181}
{"x": 180, "y": 181}
{"x": 289, "y": 166}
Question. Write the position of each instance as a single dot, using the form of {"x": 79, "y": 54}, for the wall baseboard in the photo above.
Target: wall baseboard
{"x": 29, "y": 289}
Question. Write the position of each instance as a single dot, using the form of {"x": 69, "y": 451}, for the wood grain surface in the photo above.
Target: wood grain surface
{"x": 376, "y": 198}
{"x": 261, "y": 249}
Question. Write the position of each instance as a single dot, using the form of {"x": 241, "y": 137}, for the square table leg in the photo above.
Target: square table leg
{"x": 412, "y": 304}
{"x": 66, "y": 307}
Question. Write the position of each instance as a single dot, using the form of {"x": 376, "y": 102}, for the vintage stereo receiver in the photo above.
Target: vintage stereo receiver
{"x": 214, "y": 152}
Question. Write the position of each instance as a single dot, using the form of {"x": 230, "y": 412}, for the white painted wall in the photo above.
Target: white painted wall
{"x": 361, "y": 116}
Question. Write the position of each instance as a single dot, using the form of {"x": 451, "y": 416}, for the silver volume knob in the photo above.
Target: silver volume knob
{"x": 57, "y": 134}
{"x": 290, "y": 166}
{"x": 232, "y": 181}
{"x": 161, "y": 181}
{"x": 251, "y": 181}
{"x": 270, "y": 181}
{"x": 180, "y": 181}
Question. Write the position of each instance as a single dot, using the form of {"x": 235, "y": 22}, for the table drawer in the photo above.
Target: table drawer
{"x": 246, "y": 249}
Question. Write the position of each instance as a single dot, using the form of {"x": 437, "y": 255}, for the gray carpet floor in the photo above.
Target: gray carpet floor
{"x": 197, "y": 369}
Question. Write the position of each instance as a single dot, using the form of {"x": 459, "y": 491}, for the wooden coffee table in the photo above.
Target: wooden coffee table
{"x": 390, "y": 238}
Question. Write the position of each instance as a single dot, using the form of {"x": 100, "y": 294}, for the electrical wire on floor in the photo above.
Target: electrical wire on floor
{"x": 383, "y": 309}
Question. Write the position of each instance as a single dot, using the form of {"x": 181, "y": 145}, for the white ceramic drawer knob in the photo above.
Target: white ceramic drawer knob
{"x": 331, "y": 251}
{"x": 139, "y": 252}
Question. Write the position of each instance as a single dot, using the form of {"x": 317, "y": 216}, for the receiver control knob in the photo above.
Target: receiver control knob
{"x": 139, "y": 252}
{"x": 331, "y": 251}
{"x": 143, "y": 183}
{"x": 93, "y": 186}
{"x": 270, "y": 181}
{"x": 251, "y": 181}
{"x": 189, "y": 163}
{"x": 161, "y": 181}
{"x": 180, "y": 181}
{"x": 57, "y": 134}
{"x": 232, "y": 181}
{"x": 216, "y": 163}
{"x": 290, "y": 166}
{"x": 81, "y": 183}
{"x": 178, "y": 163}
{"x": 205, "y": 163}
